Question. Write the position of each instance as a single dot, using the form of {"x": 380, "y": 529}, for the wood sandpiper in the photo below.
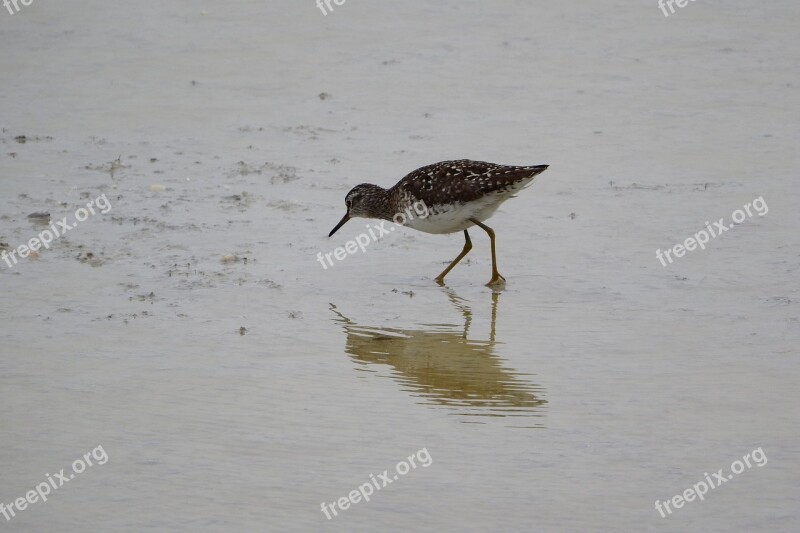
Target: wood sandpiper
{"x": 456, "y": 194}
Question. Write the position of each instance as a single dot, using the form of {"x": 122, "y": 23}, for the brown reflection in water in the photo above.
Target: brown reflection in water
{"x": 441, "y": 365}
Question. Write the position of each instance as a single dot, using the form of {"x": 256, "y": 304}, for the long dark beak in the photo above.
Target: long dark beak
{"x": 341, "y": 223}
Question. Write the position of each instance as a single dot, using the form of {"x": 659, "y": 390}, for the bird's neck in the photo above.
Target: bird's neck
{"x": 384, "y": 203}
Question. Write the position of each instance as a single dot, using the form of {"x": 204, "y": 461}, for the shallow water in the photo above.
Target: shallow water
{"x": 236, "y": 385}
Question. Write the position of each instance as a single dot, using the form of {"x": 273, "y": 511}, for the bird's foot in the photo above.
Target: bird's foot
{"x": 497, "y": 281}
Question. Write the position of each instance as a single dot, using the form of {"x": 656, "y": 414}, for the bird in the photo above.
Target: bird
{"x": 452, "y": 195}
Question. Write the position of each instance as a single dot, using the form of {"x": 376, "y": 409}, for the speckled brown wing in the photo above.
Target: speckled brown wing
{"x": 462, "y": 180}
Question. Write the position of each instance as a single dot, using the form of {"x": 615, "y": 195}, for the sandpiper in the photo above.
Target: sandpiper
{"x": 458, "y": 195}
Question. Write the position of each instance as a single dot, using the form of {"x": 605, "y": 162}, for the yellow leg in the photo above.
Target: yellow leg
{"x": 465, "y": 251}
{"x": 497, "y": 279}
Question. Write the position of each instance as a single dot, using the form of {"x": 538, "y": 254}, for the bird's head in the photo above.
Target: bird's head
{"x": 365, "y": 200}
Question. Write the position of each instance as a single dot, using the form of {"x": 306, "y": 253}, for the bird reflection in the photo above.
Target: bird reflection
{"x": 441, "y": 365}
